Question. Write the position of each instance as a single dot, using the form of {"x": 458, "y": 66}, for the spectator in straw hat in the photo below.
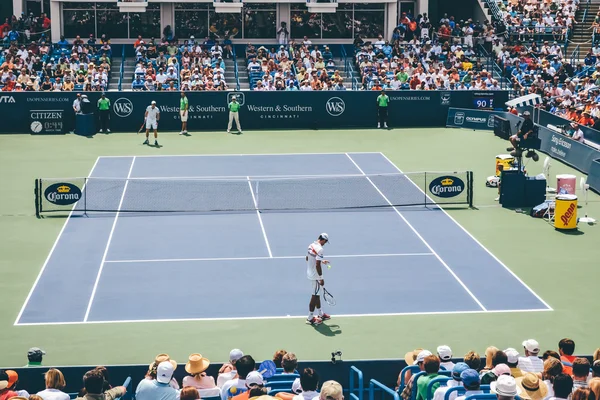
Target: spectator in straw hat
{"x": 445, "y": 354}
{"x": 531, "y": 362}
{"x": 196, "y": 367}
{"x": 409, "y": 359}
{"x": 532, "y": 387}
{"x": 505, "y": 388}
{"x": 152, "y": 368}
{"x": 456, "y": 380}
{"x": 552, "y": 368}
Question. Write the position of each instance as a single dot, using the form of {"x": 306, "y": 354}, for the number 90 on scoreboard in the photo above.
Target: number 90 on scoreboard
{"x": 485, "y": 102}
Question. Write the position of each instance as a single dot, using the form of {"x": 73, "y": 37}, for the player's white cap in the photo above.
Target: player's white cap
{"x": 153, "y": 102}
{"x": 324, "y": 236}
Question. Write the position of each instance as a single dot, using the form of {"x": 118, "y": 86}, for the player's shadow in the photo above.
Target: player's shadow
{"x": 328, "y": 330}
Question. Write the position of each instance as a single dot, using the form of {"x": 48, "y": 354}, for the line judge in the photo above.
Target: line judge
{"x": 234, "y": 108}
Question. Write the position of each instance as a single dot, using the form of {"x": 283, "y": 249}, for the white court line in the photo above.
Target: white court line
{"x": 110, "y": 235}
{"x": 267, "y": 258}
{"x": 474, "y": 239}
{"x": 37, "y": 279}
{"x": 260, "y": 221}
{"x": 241, "y": 155}
{"x": 129, "y": 321}
{"x": 420, "y": 237}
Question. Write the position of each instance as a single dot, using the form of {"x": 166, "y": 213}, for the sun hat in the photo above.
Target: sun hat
{"x": 506, "y": 385}
{"x": 411, "y": 356}
{"x": 532, "y": 387}
{"x": 161, "y": 358}
{"x": 196, "y": 364}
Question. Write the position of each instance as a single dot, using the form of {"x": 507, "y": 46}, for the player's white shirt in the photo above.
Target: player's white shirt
{"x": 315, "y": 253}
{"x": 152, "y": 113}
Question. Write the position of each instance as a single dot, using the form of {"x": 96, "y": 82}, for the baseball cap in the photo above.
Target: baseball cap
{"x": 458, "y": 369}
{"x": 532, "y": 346}
{"x": 526, "y": 113}
{"x": 512, "y": 355}
{"x": 421, "y": 356}
{"x": 501, "y": 369}
{"x": 235, "y": 355}
{"x": 13, "y": 377}
{"x": 164, "y": 372}
{"x": 36, "y": 351}
{"x": 324, "y": 236}
{"x": 254, "y": 378}
{"x": 469, "y": 377}
{"x": 331, "y": 390}
{"x": 153, "y": 102}
{"x": 505, "y": 386}
{"x": 445, "y": 352}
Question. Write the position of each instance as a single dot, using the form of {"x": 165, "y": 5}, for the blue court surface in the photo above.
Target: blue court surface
{"x": 243, "y": 265}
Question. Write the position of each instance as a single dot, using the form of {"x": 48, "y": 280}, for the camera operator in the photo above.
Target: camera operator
{"x": 525, "y": 130}
{"x": 575, "y": 132}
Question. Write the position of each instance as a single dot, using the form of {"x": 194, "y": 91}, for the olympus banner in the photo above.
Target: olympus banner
{"x": 259, "y": 110}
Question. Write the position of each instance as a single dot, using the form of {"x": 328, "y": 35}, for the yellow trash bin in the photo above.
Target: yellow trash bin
{"x": 506, "y": 160}
{"x": 565, "y": 212}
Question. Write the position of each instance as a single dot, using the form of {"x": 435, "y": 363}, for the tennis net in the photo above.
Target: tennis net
{"x": 272, "y": 193}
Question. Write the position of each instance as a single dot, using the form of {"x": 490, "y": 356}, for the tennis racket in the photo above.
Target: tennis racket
{"x": 328, "y": 297}
{"x": 141, "y": 127}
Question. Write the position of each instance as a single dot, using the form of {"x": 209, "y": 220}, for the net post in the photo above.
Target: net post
{"x": 84, "y": 194}
{"x": 470, "y": 183}
{"x": 36, "y": 192}
{"x": 425, "y": 189}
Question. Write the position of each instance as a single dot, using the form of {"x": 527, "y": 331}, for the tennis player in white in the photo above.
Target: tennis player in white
{"x": 152, "y": 116}
{"x": 314, "y": 272}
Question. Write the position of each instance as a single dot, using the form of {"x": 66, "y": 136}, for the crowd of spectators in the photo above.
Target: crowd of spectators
{"x": 300, "y": 65}
{"x": 194, "y": 65}
{"x": 40, "y": 65}
{"x": 528, "y": 373}
{"x": 25, "y": 28}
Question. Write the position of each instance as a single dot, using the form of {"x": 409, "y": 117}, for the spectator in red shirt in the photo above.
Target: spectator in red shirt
{"x": 45, "y": 21}
{"x": 566, "y": 348}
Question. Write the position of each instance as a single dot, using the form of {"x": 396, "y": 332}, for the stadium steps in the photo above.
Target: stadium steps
{"x": 582, "y": 33}
{"x": 242, "y": 74}
{"x": 341, "y": 66}
{"x": 115, "y": 69}
{"x": 128, "y": 72}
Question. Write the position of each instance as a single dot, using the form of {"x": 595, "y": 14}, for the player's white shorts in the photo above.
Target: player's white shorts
{"x": 315, "y": 288}
{"x": 183, "y": 115}
{"x": 151, "y": 124}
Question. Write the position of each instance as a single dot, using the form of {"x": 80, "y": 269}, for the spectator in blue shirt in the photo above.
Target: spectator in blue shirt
{"x": 13, "y": 35}
{"x": 159, "y": 388}
{"x": 137, "y": 84}
{"x": 63, "y": 42}
{"x": 387, "y": 49}
{"x": 291, "y": 87}
{"x": 589, "y": 59}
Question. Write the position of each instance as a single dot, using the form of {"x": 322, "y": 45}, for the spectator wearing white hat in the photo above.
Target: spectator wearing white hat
{"x": 512, "y": 356}
{"x": 235, "y": 386}
{"x": 505, "y": 388}
{"x": 255, "y": 385}
{"x": 419, "y": 360}
{"x": 456, "y": 380}
{"x": 531, "y": 362}
{"x": 159, "y": 388}
{"x": 445, "y": 354}
{"x": 228, "y": 370}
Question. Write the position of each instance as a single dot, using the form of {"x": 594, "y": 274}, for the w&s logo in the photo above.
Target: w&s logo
{"x": 335, "y": 106}
{"x": 123, "y": 107}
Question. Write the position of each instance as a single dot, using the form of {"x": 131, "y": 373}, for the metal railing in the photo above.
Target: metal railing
{"x": 384, "y": 390}
{"x": 361, "y": 385}
{"x": 122, "y": 69}
{"x": 574, "y": 57}
{"x": 235, "y": 69}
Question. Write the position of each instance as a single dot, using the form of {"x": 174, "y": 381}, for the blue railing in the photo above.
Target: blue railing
{"x": 122, "y": 69}
{"x": 235, "y": 69}
{"x": 361, "y": 385}
{"x": 384, "y": 390}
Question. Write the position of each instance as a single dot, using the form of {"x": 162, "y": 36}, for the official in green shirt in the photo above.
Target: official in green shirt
{"x": 104, "y": 111}
{"x": 234, "y": 108}
{"x": 183, "y": 113}
{"x": 382, "y": 109}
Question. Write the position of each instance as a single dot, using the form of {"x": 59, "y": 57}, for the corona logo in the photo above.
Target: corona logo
{"x": 447, "y": 182}
{"x": 566, "y": 217}
{"x": 64, "y": 189}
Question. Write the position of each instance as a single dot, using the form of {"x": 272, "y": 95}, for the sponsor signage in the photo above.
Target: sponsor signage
{"x": 123, "y": 107}
{"x": 46, "y": 121}
{"x": 472, "y": 119}
{"x": 62, "y": 194}
{"x": 447, "y": 186}
{"x": 7, "y": 99}
{"x": 335, "y": 106}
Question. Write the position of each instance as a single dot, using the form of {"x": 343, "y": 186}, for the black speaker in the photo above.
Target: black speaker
{"x": 512, "y": 189}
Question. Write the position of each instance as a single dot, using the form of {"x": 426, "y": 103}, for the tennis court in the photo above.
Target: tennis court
{"x": 246, "y": 264}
